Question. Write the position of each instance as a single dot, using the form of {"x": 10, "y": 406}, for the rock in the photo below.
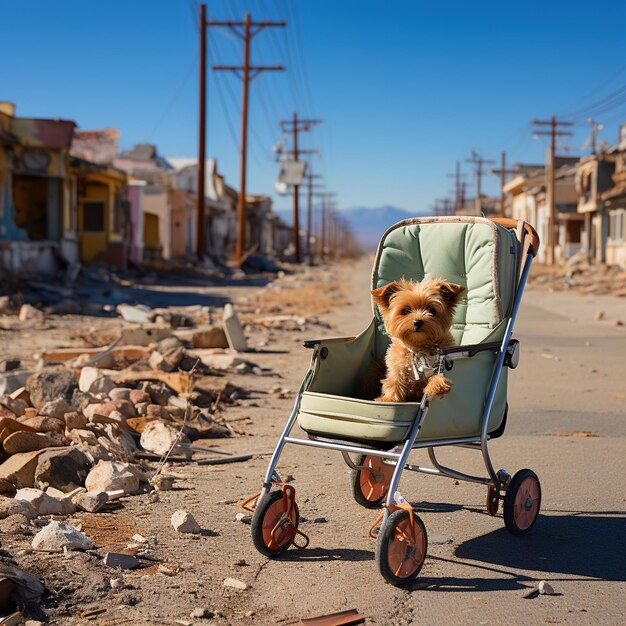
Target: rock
{"x": 8, "y": 365}
{"x": 21, "y": 394}
{"x": 29, "y": 313}
{"x": 617, "y": 323}
{"x": 142, "y": 409}
{"x": 27, "y": 586}
{"x": 235, "y": 584}
{"x": 50, "y": 384}
{"x": 75, "y": 420}
{"x": 45, "y": 504}
{"x": 6, "y": 413}
{"x": 104, "y": 409}
{"x": 171, "y": 343}
{"x": 244, "y": 518}
{"x": 91, "y": 501}
{"x": 137, "y": 396}
{"x": 158, "y": 437}
{"x": 8, "y": 426}
{"x": 117, "y": 441}
{"x": 56, "y": 408}
{"x": 5, "y": 305}
{"x": 112, "y": 476}
{"x": 56, "y": 536}
{"x": 545, "y": 588}
{"x": 156, "y": 411}
{"x": 184, "y": 522}
{"x": 233, "y": 329}
{"x": 15, "y": 405}
{"x": 162, "y": 482}
{"x": 156, "y": 361}
{"x": 153, "y": 497}
{"x": 166, "y": 571}
{"x": 92, "y": 381}
{"x": 210, "y": 338}
{"x": 62, "y": 468}
{"x": 120, "y": 393}
{"x": 19, "y": 470}
{"x": 82, "y": 435}
{"x": 121, "y": 561}
{"x": 43, "y": 424}
{"x": 202, "y": 613}
{"x": 26, "y": 441}
{"x": 117, "y": 583}
{"x": 222, "y": 361}
{"x": 139, "y": 423}
{"x": 10, "y": 506}
{"x": 159, "y": 392}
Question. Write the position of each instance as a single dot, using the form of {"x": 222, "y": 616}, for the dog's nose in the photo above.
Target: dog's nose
{"x": 418, "y": 324}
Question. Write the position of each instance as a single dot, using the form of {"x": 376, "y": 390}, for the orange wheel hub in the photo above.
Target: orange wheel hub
{"x": 375, "y": 479}
{"x": 407, "y": 549}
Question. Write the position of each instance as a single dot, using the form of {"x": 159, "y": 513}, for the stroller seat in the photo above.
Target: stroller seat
{"x": 475, "y": 252}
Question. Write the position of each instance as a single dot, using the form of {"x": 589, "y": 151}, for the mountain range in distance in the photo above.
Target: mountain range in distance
{"x": 366, "y": 223}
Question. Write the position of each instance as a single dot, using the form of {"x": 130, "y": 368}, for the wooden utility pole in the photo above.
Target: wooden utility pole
{"x": 296, "y": 126}
{"x": 201, "y": 139}
{"x": 310, "y": 177}
{"x": 502, "y": 172}
{"x": 551, "y": 177}
{"x": 478, "y": 161}
{"x": 325, "y": 237}
{"x": 247, "y": 73}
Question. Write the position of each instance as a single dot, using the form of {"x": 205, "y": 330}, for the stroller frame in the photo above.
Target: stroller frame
{"x": 498, "y": 482}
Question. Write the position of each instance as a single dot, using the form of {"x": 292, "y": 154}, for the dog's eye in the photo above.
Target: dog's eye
{"x": 430, "y": 310}
{"x": 406, "y": 310}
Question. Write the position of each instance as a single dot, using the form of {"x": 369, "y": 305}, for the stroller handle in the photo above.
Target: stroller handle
{"x": 509, "y": 222}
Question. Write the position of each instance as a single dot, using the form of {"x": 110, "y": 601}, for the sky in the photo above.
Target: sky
{"x": 405, "y": 88}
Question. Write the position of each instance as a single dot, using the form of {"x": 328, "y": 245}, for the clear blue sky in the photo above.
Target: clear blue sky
{"x": 405, "y": 87}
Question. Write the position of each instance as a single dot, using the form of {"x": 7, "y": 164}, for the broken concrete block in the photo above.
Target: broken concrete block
{"x": 62, "y": 468}
{"x": 26, "y": 441}
{"x": 50, "y": 384}
{"x": 235, "y": 584}
{"x": 12, "y": 381}
{"x": 45, "y": 504}
{"x": 233, "y": 329}
{"x": 111, "y": 476}
{"x": 15, "y": 405}
{"x": 19, "y": 469}
{"x": 158, "y": 437}
{"x": 209, "y": 338}
{"x": 184, "y": 522}
{"x": 91, "y": 501}
{"x": 144, "y": 335}
{"x": 29, "y": 313}
{"x": 121, "y": 561}
{"x": 137, "y": 396}
{"x": 222, "y": 361}
{"x": 137, "y": 314}
{"x": 56, "y": 536}
{"x": 42, "y": 423}
{"x": 10, "y": 506}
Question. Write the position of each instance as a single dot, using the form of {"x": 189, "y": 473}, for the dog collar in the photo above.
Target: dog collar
{"x": 423, "y": 365}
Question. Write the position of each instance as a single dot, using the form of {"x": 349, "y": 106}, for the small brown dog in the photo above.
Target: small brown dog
{"x": 418, "y": 317}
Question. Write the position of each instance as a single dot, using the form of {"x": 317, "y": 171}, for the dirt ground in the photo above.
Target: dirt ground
{"x": 566, "y": 422}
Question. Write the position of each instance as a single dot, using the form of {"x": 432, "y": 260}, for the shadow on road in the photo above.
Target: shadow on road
{"x": 582, "y": 544}
{"x": 323, "y": 554}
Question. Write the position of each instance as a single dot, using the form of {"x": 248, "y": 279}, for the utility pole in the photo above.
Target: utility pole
{"x": 247, "y": 73}
{"x": 551, "y": 176}
{"x": 502, "y": 172}
{"x": 458, "y": 177}
{"x": 478, "y": 161}
{"x": 310, "y": 177}
{"x": 201, "y": 139}
{"x": 325, "y": 235}
{"x": 296, "y": 126}
{"x": 594, "y": 131}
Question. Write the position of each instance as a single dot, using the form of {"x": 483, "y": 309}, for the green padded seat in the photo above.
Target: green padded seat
{"x": 474, "y": 252}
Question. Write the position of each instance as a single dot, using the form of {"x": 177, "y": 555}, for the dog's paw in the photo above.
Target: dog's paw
{"x": 385, "y": 398}
{"x": 438, "y": 385}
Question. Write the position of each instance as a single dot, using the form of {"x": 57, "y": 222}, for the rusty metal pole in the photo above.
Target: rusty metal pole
{"x": 241, "y": 205}
{"x": 201, "y": 138}
{"x": 552, "y": 236}
{"x": 309, "y": 219}
{"x": 296, "y": 194}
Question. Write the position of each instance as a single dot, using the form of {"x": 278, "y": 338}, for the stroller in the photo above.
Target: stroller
{"x": 491, "y": 258}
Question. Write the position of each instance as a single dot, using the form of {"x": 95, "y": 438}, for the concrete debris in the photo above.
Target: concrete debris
{"x": 162, "y": 482}
{"x": 159, "y": 438}
{"x": 244, "y": 518}
{"x": 91, "y": 501}
{"x": 235, "y": 584}
{"x": 202, "y": 613}
{"x": 11, "y": 506}
{"x": 63, "y": 468}
{"x": 137, "y": 314}
{"x": 112, "y": 476}
{"x": 184, "y": 522}
{"x": 45, "y": 504}
{"x": 50, "y": 384}
{"x": 233, "y": 329}
{"x": 92, "y": 381}
{"x": 29, "y": 313}
{"x": 57, "y": 536}
{"x": 213, "y": 337}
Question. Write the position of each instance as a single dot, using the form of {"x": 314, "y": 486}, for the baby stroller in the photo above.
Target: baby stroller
{"x": 491, "y": 259}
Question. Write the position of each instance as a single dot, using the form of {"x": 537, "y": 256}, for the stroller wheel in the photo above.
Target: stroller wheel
{"x": 400, "y": 549}
{"x": 273, "y": 524}
{"x": 522, "y": 502}
{"x": 370, "y": 486}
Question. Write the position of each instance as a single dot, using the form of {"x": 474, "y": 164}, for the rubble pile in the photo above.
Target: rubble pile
{"x": 579, "y": 275}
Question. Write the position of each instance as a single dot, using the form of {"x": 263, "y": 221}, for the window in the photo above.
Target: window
{"x": 93, "y": 217}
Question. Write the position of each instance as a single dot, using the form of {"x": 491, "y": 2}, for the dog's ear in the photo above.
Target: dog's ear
{"x": 382, "y": 295}
{"x": 450, "y": 293}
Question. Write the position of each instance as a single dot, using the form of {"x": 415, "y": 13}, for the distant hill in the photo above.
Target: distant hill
{"x": 367, "y": 223}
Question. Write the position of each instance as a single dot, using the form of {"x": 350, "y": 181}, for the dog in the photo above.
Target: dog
{"x": 418, "y": 317}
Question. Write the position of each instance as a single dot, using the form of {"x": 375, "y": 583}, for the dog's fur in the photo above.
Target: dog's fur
{"x": 417, "y": 316}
